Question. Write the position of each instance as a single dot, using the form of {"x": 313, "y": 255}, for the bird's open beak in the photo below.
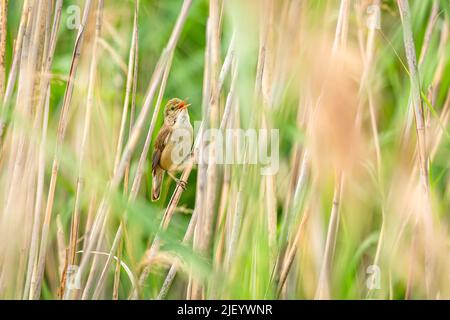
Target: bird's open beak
{"x": 183, "y": 105}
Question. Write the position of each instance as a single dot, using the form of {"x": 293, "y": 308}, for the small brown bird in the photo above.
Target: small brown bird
{"x": 173, "y": 144}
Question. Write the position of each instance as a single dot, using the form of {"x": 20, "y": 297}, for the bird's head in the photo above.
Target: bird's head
{"x": 173, "y": 108}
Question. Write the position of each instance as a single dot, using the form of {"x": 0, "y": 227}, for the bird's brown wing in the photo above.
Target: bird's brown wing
{"x": 160, "y": 143}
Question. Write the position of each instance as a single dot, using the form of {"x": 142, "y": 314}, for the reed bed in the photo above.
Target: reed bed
{"x": 348, "y": 199}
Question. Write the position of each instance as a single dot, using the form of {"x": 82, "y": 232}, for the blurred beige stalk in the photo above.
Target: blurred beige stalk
{"x": 16, "y": 220}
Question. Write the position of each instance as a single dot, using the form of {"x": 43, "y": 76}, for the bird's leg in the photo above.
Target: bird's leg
{"x": 179, "y": 182}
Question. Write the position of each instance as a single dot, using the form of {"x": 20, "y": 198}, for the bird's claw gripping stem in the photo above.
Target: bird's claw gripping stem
{"x": 182, "y": 184}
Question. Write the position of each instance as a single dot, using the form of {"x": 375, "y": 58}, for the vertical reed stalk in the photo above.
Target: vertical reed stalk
{"x": 323, "y": 288}
{"x": 36, "y": 281}
{"x": 86, "y": 127}
{"x": 14, "y": 66}
{"x": 206, "y": 213}
{"x": 3, "y": 30}
{"x": 417, "y": 104}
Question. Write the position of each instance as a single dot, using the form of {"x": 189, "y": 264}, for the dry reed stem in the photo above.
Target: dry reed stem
{"x": 14, "y": 66}
{"x": 25, "y": 91}
{"x": 62, "y": 256}
{"x": 114, "y": 55}
{"x": 286, "y": 261}
{"x": 297, "y": 184}
{"x": 323, "y": 287}
{"x": 32, "y": 257}
{"x": 173, "y": 268}
{"x": 133, "y": 100}
{"x": 22, "y": 176}
{"x": 116, "y": 283}
{"x": 222, "y": 217}
{"x": 95, "y": 263}
{"x": 44, "y": 99}
{"x": 437, "y": 79}
{"x": 426, "y": 43}
{"x": 3, "y": 30}
{"x": 419, "y": 117}
{"x": 291, "y": 252}
{"x": 415, "y": 91}
{"x": 202, "y": 166}
{"x": 429, "y": 31}
{"x": 224, "y": 197}
{"x": 204, "y": 228}
{"x": 236, "y": 226}
{"x": 442, "y": 121}
{"x": 17, "y": 160}
{"x": 129, "y": 83}
{"x": 201, "y": 171}
{"x": 213, "y": 122}
{"x": 131, "y": 79}
{"x": 122, "y": 264}
{"x": 227, "y": 62}
{"x": 235, "y": 212}
{"x": 85, "y": 134}
{"x": 38, "y": 275}
{"x": 263, "y": 93}
{"x": 131, "y": 123}
{"x": 299, "y": 175}
{"x": 340, "y": 37}
{"x": 103, "y": 275}
{"x": 367, "y": 58}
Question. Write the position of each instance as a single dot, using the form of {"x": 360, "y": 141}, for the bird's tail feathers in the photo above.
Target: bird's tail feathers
{"x": 157, "y": 178}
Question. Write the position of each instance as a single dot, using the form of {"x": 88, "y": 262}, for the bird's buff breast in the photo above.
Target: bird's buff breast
{"x": 178, "y": 147}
